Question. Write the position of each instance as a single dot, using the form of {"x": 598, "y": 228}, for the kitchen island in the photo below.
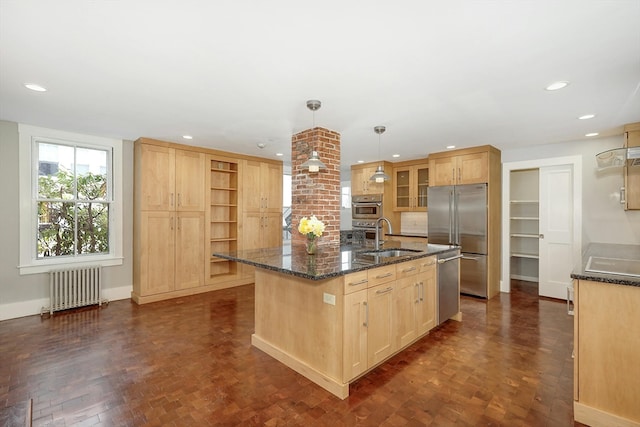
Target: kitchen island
{"x": 606, "y": 337}
{"x": 336, "y": 315}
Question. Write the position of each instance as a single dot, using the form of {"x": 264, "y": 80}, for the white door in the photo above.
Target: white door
{"x": 556, "y": 230}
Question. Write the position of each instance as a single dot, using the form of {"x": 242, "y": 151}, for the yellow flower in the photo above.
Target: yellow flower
{"x": 311, "y": 227}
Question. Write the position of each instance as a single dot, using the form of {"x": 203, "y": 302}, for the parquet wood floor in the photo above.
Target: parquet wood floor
{"x": 189, "y": 362}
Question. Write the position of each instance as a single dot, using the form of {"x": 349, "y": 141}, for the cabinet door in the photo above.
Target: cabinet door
{"x": 271, "y": 188}
{"x": 252, "y": 230}
{"x": 251, "y": 180}
{"x": 426, "y": 308}
{"x": 357, "y": 182}
{"x": 355, "y": 335}
{"x": 406, "y": 302}
{"x": 157, "y": 252}
{"x": 473, "y": 168}
{"x": 372, "y": 187}
{"x": 420, "y": 183}
{"x": 402, "y": 190}
{"x": 271, "y": 230}
{"x": 157, "y": 175}
{"x": 442, "y": 171}
{"x": 381, "y": 336}
{"x": 189, "y": 250}
{"x": 190, "y": 180}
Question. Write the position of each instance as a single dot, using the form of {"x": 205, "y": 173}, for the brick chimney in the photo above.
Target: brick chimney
{"x": 316, "y": 193}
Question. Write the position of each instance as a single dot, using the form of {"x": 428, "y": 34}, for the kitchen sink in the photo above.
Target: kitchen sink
{"x": 390, "y": 253}
{"x": 623, "y": 267}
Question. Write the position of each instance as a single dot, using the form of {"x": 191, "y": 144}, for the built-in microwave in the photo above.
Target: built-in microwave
{"x": 366, "y": 206}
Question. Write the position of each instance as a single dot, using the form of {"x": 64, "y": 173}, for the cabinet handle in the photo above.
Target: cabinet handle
{"x": 171, "y": 223}
{"x": 406, "y": 270}
{"x": 623, "y": 196}
{"x": 383, "y": 276}
{"x": 179, "y": 221}
{"x": 179, "y": 199}
{"x": 384, "y": 291}
{"x": 427, "y": 264}
{"x": 171, "y": 200}
{"x": 421, "y": 291}
{"x": 418, "y": 290}
{"x": 361, "y": 282}
{"x": 570, "y": 305}
{"x": 366, "y": 314}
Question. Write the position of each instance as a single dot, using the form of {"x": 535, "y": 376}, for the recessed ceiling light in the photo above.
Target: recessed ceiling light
{"x": 35, "y": 87}
{"x": 592, "y": 134}
{"x": 450, "y": 147}
{"x": 279, "y": 154}
{"x": 586, "y": 117}
{"x": 557, "y": 85}
{"x": 396, "y": 155}
{"x": 187, "y": 136}
{"x": 360, "y": 161}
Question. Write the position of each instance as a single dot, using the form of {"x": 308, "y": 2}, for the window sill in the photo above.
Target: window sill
{"x": 45, "y": 266}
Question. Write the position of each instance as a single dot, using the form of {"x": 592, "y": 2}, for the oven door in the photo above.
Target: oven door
{"x": 366, "y": 210}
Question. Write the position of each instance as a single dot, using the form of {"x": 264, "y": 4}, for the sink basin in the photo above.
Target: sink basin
{"x": 623, "y": 267}
{"x": 390, "y": 253}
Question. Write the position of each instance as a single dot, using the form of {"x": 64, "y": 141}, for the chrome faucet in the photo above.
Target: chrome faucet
{"x": 378, "y": 227}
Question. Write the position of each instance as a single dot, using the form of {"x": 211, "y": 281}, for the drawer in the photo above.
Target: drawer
{"x": 408, "y": 268}
{"x": 355, "y": 281}
{"x": 380, "y": 275}
{"x": 427, "y": 264}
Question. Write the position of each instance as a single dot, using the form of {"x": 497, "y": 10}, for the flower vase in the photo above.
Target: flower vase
{"x": 312, "y": 246}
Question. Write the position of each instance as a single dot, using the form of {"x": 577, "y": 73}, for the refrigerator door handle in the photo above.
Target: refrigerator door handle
{"x": 456, "y": 221}
{"x": 451, "y": 232}
{"x": 472, "y": 258}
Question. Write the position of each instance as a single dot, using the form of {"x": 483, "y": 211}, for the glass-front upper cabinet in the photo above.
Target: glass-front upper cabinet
{"x": 410, "y": 189}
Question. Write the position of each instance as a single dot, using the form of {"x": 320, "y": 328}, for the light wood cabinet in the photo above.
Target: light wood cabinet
{"x": 262, "y": 205}
{"x": 361, "y": 182}
{"x": 410, "y": 183}
{"x": 188, "y": 205}
{"x": 386, "y": 309}
{"x": 632, "y": 173}
{"x": 471, "y": 168}
{"x": 606, "y": 347}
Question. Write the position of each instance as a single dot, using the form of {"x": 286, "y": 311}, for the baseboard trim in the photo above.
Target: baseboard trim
{"x": 598, "y": 418}
{"x": 32, "y": 307}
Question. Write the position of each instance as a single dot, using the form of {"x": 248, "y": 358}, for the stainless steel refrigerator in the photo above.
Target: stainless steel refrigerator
{"x": 458, "y": 216}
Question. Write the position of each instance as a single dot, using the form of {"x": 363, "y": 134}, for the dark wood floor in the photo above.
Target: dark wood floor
{"x": 189, "y": 362}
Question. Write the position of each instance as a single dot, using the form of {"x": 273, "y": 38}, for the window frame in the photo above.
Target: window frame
{"x": 29, "y": 136}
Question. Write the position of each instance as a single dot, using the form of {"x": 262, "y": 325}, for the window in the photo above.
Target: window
{"x": 71, "y": 207}
{"x": 346, "y": 197}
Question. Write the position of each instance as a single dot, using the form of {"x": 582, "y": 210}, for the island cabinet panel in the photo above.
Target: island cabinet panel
{"x": 606, "y": 348}
{"x": 335, "y": 330}
{"x": 355, "y": 357}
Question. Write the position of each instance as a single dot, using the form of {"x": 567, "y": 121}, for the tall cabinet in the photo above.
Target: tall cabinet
{"x": 188, "y": 203}
{"x": 169, "y": 219}
{"x": 632, "y": 173}
{"x": 476, "y": 165}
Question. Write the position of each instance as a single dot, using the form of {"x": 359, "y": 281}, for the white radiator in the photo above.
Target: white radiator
{"x": 73, "y": 288}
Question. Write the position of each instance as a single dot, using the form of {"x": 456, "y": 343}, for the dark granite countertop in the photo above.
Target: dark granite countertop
{"x": 331, "y": 260}
{"x": 628, "y": 254}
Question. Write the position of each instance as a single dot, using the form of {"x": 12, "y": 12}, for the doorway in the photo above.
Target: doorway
{"x": 542, "y": 223}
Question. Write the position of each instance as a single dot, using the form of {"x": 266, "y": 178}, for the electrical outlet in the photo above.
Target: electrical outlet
{"x": 328, "y": 298}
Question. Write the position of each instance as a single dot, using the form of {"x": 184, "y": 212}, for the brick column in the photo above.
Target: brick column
{"x": 316, "y": 193}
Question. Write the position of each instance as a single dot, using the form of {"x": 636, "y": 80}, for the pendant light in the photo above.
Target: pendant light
{"x": 314, "y": 164}
{"x": 379, "y": 176}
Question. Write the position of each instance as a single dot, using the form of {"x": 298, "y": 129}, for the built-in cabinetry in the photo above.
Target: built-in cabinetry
{"x": 187, "y": 204}
{"x": 606, "y": 348}
{"x": 468, "y": 166}
{"x": 410, "y": 183}
{"x": 476, "y": 165}
{"x": 334, "y": 330}
{"x": 169, "y": 220}
{"x": 524, "y": 224}
{"x": 360, "y": 178}
{"x": 222, "y": 217}
{"x": 632, "y": 173}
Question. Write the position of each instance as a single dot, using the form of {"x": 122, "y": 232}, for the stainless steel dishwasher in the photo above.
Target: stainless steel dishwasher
{"x": 448, "y": 284}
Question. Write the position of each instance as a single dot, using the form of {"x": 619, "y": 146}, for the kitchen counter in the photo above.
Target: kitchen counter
{"x": 331, "y": 260}
{"x": 608, "y": 263}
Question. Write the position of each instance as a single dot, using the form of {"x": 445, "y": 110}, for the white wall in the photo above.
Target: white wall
{"x": 603, "y": 218}
{"x": 25, "y": 295}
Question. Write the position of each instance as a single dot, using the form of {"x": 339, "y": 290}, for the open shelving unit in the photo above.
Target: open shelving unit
{"x": 222, "y": 217}
{"x": 524, "y": 226}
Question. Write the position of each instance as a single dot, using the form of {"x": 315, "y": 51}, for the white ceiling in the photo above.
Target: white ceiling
{"x": 236, "y": 73}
